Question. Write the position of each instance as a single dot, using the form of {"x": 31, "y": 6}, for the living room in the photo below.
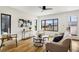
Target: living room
{"x": 26, "y": 23}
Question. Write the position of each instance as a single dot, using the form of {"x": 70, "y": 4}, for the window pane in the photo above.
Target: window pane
{"x": 42, "y": 22}
{"x": 73, "y": 20}
{"x": 50, "y": 24}
{"x": 55, "y": 22}
{"x": 55, "y": 28}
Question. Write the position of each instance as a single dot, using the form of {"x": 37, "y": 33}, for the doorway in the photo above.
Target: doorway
{"x": 5, "y": 23}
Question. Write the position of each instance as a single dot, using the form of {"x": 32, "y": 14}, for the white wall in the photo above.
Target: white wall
{"x": 15, "y": 16}
{"x": 63, "y": 20}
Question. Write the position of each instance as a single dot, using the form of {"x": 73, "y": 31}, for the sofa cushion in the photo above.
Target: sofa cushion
{"x": 57, "y": 39}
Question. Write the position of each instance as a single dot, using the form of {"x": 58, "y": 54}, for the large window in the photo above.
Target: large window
{"x": 49, "y": 25}
{"x": 73, "y": 22}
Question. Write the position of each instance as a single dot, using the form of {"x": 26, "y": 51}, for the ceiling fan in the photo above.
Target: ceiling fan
{"x": 45, "y": 8}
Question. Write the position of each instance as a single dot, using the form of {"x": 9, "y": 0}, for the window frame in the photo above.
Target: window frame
{"x": 53, "y": 26}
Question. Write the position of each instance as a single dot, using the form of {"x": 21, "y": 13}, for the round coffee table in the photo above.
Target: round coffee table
{"x": 38, "y": 42}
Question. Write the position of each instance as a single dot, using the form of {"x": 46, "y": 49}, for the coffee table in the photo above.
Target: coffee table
{"x": 38, "y": 41}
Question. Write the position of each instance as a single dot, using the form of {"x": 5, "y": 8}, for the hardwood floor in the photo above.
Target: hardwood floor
{"x": 23, "y": 46}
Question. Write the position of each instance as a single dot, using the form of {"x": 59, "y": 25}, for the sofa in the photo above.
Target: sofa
{"x": 63, "y": 47}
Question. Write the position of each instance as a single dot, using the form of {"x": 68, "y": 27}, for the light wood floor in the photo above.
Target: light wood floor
{"x": 23, "y": 46}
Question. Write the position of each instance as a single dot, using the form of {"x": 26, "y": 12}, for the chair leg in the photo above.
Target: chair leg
{"x": 2, "y": 43}
{"x": 46, "y": 50}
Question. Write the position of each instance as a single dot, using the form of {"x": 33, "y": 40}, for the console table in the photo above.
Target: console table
{"x": 24, "y": 34}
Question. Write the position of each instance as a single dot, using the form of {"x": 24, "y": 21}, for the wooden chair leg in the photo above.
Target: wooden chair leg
{"x": 16, "y": 43}
{"x": 2, "y": 43}
{"x": 46, "y": 50}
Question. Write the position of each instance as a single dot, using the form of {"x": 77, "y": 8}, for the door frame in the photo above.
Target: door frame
{"x": 1, "y": 21}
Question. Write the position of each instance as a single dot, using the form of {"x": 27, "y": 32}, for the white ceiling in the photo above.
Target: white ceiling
{"x": 36, "y": 10}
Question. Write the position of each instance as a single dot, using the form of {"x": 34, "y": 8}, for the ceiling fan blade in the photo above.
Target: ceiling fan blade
{"x": 48, "y": 8}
